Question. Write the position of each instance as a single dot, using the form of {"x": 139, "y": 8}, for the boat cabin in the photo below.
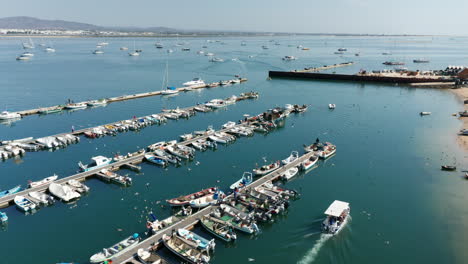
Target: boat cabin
{"x": 337, "y": 216}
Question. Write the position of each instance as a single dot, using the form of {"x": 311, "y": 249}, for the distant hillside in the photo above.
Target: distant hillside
{"x": 36, "y": 23}
{"x": 23, "y": 22}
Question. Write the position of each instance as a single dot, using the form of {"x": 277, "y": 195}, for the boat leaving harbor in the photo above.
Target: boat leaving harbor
{"x": 337, "y": 217}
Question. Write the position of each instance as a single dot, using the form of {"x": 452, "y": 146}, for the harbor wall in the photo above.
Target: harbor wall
{"x": 353, "y": 77}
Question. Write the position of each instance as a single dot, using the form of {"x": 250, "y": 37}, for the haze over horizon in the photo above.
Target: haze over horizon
{"x": 334, "y": 16}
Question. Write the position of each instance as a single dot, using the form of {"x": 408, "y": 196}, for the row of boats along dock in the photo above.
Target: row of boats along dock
{"x": 195, "y": 84}
{"x": 161, "y": 153}
{"x": 222, "y": 216}
{"x": 12, "y": 148}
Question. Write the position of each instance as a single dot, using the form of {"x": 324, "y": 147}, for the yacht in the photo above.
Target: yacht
{"x": 27, "y": 54}
{"x": 7, "y": 115}
{"x": 98, "y": 51}
{"x": 337, "y": 217}
{"x": 195, "y": 81}
{"x": 134, "y": 54}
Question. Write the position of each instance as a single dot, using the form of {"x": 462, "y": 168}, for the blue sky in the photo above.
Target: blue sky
{"x": 311, "y": 16}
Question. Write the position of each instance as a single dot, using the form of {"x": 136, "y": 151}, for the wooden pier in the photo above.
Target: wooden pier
{"x": 187, "y": 223}
{"x": 125, "y": 97}
{"x": 82, "y": 131}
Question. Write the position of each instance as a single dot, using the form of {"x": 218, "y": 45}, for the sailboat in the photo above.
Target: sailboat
{"x": 166, "y": 89}
{"x": 135, "y": 52}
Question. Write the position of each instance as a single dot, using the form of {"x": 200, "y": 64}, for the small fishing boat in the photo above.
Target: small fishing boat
{"x": 267, "y": 169}
{"x": 229, "y": 124}
{"x": 216, "y": 59}
{"x": 3, "y": 218}
{"x": 337, "y": 217}
{"x": 393, "y": 63}
{"x": 327, "y": 150}
{"x": 168, "y": 157}
{"x": 216, "y": 103}
{"x": 50, "y": 110}
{"x": 119, "y": 179}
{"x": 185, "y": 199}
{"x": 63, "y": 192}
{"x": 42, "y": 198}
{"x": 299, "y": 108}
{"x": 248, "y": 227}
{"x": 331, "y": 106}
{"x": 236, "y": 213}
{"x": 78, "y": 186}
{"x": 246, "y": 179}
{"x": 421, "y": 61}
{"x": 123, "y": 48}
{"x": 287, "y": 175}
{"x": 196, "y": 240}
{"x": 425, "y": 113}
{"x": 448, "y": 168}
{"x": 207, "y": 199}
{"x": 97, "y": 162}
{"x": 188, "y": 253}
{"x": 149, "y": 257}
{"x": 218, "y": 228}
{"x": 99, "y": 102}
{"x": 289, "y": 58}
{"x": 75, "y": 106}
{"x": 294, "y": 156}
{"x": 5, "y": 115}
{"x": 116, "y": 250}
{"x": 49, "y": 50}
{"x": 11, "y": 191}
{"x": 134, "y": 54}
{"x": 42, "y": 182}
{"x": 305, "y": 165}
{"x": 23, "y": 58}
{"x": 160, "y": 161}
{"x": 24, "y": 204}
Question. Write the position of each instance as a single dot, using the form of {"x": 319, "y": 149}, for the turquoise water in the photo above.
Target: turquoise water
{"x": 404, "y": 209}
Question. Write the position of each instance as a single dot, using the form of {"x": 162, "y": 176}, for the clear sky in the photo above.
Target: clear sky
{"x": 310, "y": 16}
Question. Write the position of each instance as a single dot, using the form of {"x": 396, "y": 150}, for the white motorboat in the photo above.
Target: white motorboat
{"x": 158, "y": 45}
{"x": 267, "y": 169}
{"x": 216, "y": 103}
{"x": 103, "y": 43}
{"x": 289, "y": 58}
{"x": 294, "y": 156}
{"x": 169, "y": 91}
{"x": 209, "y": 54}
{"x": 169, "y": 51}
{"x": 194, "y": 82}
{"x": 287, "y": 175}
{"x": 246, "y": 179}
{"x": 337, "y": 217}
{"x": 42, "y": 182}
{"x": 331, "y": 106}
{"x": 75, "y": 106}
{"x": 208, "y": 199}
{"x": 42, "y": 198}
{"x": 96, "y": 162}
{"x": 134, "y": 54}
{"x": 49, "y": 49}
{"x": 327, "y": 150}
{"x": 123, "y": 48}
{"x": 216, "y": 60}
{"x": 116, "y": 250}
{"x": 200, "y": 52}
{"x": 9, "y": 115}
{"x": 78, "y": 186}
{"x": 24, "y": 203}
{"x": 229, "y": 124}
{"x": 305, "y": 165}
{"x": 100, "y": 102}
{"x": 425, "y": 113}
{"x": 23, "y": 58}
{"x": 63, "y": 192}
{"x": 147, "y": 257}
{"x": 98, "y": 51}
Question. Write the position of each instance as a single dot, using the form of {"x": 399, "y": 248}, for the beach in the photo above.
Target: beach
{"x": 462, "y": 93}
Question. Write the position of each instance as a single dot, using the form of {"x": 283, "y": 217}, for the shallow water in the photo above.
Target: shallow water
{"x": 404, "y": 209}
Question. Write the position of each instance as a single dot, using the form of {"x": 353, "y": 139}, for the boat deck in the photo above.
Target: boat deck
{"x": 118, "y": 98}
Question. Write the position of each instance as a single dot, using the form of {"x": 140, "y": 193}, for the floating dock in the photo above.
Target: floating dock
{"x": 82, "y": 131}
{"x": 126, "y": 97}
{"x": 376, "y": 78}
{"x": 154, "y": 241}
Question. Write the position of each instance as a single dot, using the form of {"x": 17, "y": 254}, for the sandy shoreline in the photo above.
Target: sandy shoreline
{"x": 462, "y": 93}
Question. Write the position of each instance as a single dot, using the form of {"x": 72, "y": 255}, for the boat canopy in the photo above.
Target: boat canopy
{"x": 337, "y": 208}
{"x": 171, "y": 88}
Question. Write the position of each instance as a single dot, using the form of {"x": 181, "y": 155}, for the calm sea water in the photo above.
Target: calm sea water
{"x": 404, "y": 209}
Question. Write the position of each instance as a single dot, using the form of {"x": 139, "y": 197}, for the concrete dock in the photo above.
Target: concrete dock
{"x": 155, "y": 240}
{"x": 124, "y": 97}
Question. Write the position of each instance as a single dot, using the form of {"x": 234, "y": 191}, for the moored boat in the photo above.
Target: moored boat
{"x": 294, "y": 156}
{"x": 99, "y": 102}
{"x": 194, "y": 82}
{"x": 42, "y": 198}
{"x": 5, "y": 115}
{"x": 185, "y": 251}
{"x": 326, "y": 150}
{"x": 97, "y": 162}
{"x": 218, "y": 228}
{"x": 288, "y": 174}
{"x": 196, "y": 240}
{"x": 3, "y": 218}
{"x": 337, "y": 217}
{"x": 63, "y": 192}
{"x": 186, "y": 199}
{"x": 149, "y": 257}
{"x": 207, "y": 199}
{"x": 448, "y": 167}
{"x": 160, "y": 161}
{"x": 45, "y": 181}
{"x": 119, "y": 179}
{"x": 76, "y": 106}
{"x": 267, "y": 169}
{"x": 24, "y": 204}
{"x": 309, "y": 163}
{"x": 116, "y": 250}
{"x": 246, "y": 179}
{"x": 78, "y": 186}
{"x": 10, "y": 191}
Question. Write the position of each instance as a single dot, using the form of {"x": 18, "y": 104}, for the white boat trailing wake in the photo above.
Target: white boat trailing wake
{"x": 310, "y": 256}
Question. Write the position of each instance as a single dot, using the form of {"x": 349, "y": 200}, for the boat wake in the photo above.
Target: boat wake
{"x": 310, "y": 256}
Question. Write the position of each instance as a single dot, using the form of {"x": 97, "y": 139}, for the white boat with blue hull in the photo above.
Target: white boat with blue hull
{"x": 196, "y": 240}
{"x": 10, "y": 191}
{"x": 246, "y": 179}
{"x": 218, "y": 228}
{"x": 337, "y": 217}
{"x": 97, "y": 162}
{"x": 24, "y": 204}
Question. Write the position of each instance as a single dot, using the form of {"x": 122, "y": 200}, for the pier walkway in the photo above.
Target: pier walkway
{"x": 124, "y": 97}
{"x": 190, "y": 221}
{"x": 325, "y": 67}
